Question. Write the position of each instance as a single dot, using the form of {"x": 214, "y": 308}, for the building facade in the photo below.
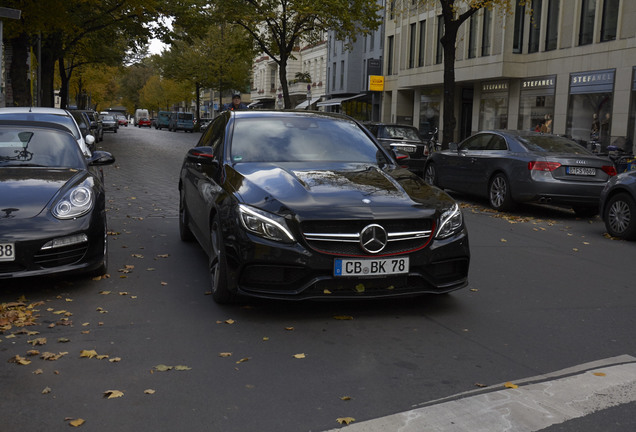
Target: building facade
{"x": 307, "y": 88}
{"x": 562, "y": 66}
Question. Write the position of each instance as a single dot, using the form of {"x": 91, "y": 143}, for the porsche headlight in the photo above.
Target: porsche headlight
{"x": 450, "y": 222}
{"x": 76, "y": 202}
{"x": 263, "y": 224}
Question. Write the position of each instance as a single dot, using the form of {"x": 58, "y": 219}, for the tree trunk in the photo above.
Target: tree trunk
{"x": 19, "y": 71}
{"x": 64, "y": 83}
{"x": 448, "y": 42}
{"x": 282, "y": 68}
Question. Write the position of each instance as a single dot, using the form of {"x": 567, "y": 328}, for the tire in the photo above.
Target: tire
{"x": 620, "y": 216}
{"x": 103, "y": 267}
{"x": 184, "y": 228}
{"x": 115, "y": 130}
{"x": 218, "y": 266}
{"x": 430, "y": 174}
{"x": 499, "y": 194}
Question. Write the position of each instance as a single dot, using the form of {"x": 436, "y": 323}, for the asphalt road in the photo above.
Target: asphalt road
{"x": 549, "y": 294}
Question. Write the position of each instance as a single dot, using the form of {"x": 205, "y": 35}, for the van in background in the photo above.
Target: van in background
{"x": 139, "y": 114}
{"x": 163, "y": 120}
{"x": 181, "y": 121}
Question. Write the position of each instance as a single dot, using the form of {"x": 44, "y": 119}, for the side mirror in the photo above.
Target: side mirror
{"x": 202, "y": 155}
{"x": 90, "y": 140}
{"x": 100, "y": 157}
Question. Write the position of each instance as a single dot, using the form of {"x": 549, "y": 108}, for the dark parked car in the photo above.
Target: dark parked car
{"x": 402, "y": 138}
{"x": 306, "y": 205}
{"x": 53, "y": 217}
{"x": 109, "y": 123}
{"x": 95, "y": 126}
{"x": 511, "y": 167}
{"x": 618, "y": 206}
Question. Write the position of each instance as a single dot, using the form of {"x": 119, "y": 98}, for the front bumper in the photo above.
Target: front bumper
{"x": 260, "y": 268}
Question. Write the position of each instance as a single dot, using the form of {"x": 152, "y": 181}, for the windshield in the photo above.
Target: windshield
{"x": 400, "y": 132}
{"x": 64, "y": 120}
{"x": 38, "y": 147}
{"x": 302, "y": 139}
{"x": 552, "y": 144}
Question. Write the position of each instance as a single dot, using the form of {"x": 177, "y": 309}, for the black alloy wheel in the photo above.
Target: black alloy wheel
{"x": 218, "y": 266}
{"x": 184, "y": 228}
{"x": 620, "y": 216}
{"x": 430, "y": 174}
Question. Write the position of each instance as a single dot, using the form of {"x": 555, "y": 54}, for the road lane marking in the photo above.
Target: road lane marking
{"x": 541, "y": 402}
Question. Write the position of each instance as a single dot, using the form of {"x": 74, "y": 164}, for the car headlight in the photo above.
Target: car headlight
{"x": 76, "y": 202}
{"x": 263, "y": 224}
{"x": 450, "y": 222}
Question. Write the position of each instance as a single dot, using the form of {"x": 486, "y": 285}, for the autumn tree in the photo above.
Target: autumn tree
{"x": 278, "y": 27}
{"x": 220, "y": 58}
{"x": 454, "y": 14}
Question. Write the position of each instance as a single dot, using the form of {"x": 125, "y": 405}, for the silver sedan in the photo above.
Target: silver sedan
{"x": 509, "y": 167}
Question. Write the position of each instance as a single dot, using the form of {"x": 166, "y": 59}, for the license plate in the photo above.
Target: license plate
{"x": 406, "y": 149}
{"x": 371, "y": 267}
{"x": 582, "y": 171}
{"x": 7, "y": 252}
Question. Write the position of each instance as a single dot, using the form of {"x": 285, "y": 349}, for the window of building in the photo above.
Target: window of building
{"x": 610, "y": 20}
{"x": 552, "y": 30}
{"x": 342, "y": 74}
{"x": 389, "y": 55}
{"x": 586, "y": 32}
{"x": 392, "y": 9}
{"x": 486, "y": 36}
{"x": 439, "y": 56}
{"x": 372, "y": 41}
{"x": 412, "y": 42}
{"x": 333, "y": 76}
{"x": 420, "y": 54}
{"x": 472, "y": 36}
{"x": 430, "y": 103}
{"x": 535, "y": 27}
{"x": 517, "y": 42}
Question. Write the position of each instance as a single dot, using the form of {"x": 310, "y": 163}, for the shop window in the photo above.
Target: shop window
{"x": 389, "y": 60}
{"x": 586, "y": 31}
{"x": 430, "y": 102}
{"x": 552, "y": 30}
{"x": 610, "y": 20}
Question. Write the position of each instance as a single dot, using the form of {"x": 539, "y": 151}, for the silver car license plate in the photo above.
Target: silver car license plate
{"x": 7, "y": 252}
{"x": 582, "y": 171}
{"x": 371, "y": 267}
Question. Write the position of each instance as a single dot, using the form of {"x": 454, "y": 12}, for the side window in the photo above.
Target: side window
{"x": 476, "y": 143}
{"x": 497, "y": 143}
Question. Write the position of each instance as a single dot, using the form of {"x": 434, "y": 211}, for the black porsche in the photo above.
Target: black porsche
{"x": 52, "y": 203}
{"x": 308, "y": 205}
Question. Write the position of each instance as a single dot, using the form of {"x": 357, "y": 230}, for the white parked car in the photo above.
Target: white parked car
{"x": 50, "y": 115}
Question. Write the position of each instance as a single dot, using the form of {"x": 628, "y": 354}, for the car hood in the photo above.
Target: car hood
{"x": 351, "y": 190}
{"x": 25, "y": 192}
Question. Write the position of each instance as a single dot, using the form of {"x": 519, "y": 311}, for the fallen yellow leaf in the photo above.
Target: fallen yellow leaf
{"x": 343, "y": 317}
{"x": 225, "y": 354}
{"x": 600, "y": 374}
{"x": 77, "y": 422}
{"x": 88, "y": 353}
{"x": 149, "y": 391}
{"x": 299, "y": 356}
{"x": 111, "y": 394}
{"x": 511, "y": 385}
{"x": 345, "y": 420}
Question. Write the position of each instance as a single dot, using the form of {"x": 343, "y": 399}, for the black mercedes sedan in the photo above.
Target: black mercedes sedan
{"x": 510, "y": 167}
{"x": 52, "y": 202}
{"x": 307, "y": 205}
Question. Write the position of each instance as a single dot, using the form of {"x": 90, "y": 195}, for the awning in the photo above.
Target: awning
{"x": 303, "y": 105}
{"x": 338, "y": 101}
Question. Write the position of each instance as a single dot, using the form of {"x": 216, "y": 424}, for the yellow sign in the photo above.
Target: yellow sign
{"x": 376, "y": 83}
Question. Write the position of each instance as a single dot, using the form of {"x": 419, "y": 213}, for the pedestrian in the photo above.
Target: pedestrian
{"x": 236, "y": 104}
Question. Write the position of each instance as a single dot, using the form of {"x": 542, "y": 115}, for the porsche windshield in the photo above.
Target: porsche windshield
{"x": 38, "y": 147}
{"x": 302, "y": 139}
